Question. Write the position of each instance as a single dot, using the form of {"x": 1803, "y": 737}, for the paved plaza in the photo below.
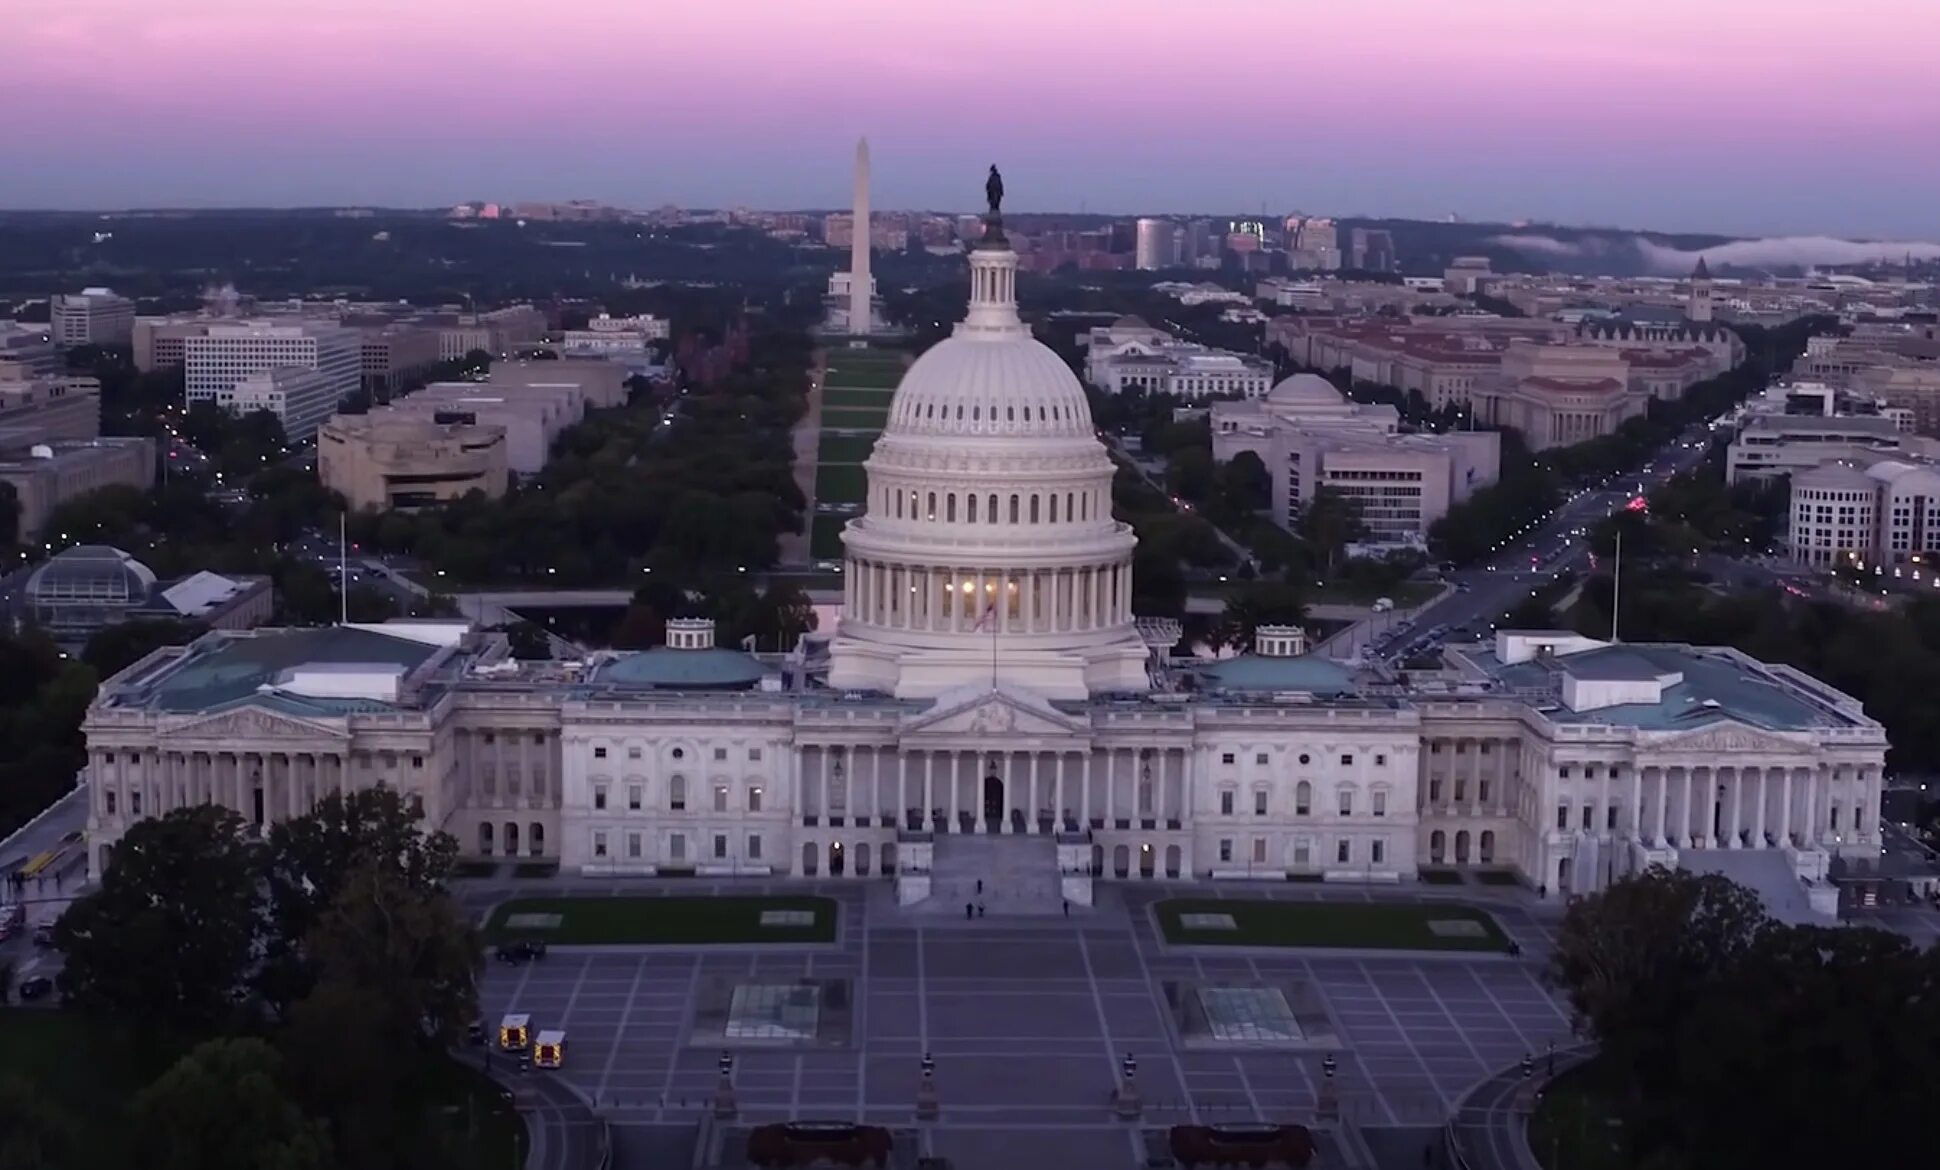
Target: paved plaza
{"x": 1028, "y": 1021}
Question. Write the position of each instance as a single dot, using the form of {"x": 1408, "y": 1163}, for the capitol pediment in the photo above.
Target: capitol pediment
{"x": 1723, "y": 738}
{"x": 992, "y": 714}
{"x": 252, "y": 724}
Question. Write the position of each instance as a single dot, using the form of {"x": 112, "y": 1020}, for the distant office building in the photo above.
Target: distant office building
{"x": 1559, "y": 395}
{"x": 1770, "y": 446}
{"x": 497, "y": 332}
{"x": 89, "y": 587}
{"x": 302, "y": 399}
{"x": 601, "y": 384}
{"x": 216, "y": 364}
{"x": 1314, "y": 246}
{"x": 532, "y": 416}
{"x": 1130, "y": 353}
{"x": 31, "y": 346}
{"x": 390, "y": 356}
{"x": 1875, "y": 508}
{"x": 161, "y": 342}
{"x": 1155, "y": 245}
{"x": 1466, "y": 275}
{"x": 94, "y": 316}
{"x": 1371, "y": 250}
{"x": 1311, "y": 436}
{"x": 46, "y": 475}
{"x": 38, "y": 408}
{"x": 399, "y": 460}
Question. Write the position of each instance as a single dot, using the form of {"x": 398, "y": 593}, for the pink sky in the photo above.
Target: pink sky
{"x": 1776, "y": 115}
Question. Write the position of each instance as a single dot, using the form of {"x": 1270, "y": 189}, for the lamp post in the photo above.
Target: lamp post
{"x": 927, "y": 1104}
{"x": 1126, "y": 1101}
{"x": 725, "y": 1106}
{"x": 1329, "y": 1106}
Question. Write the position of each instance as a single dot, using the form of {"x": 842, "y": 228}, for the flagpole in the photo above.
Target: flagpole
{"x": 1616, "y": 587}
{"x": 992, "y": 615}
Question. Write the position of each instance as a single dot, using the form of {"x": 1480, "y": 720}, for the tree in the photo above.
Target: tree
{"x": 528, "y": 640}
{"x": 167, "y": 939}
{"x": 1331, "y": 521}
{"x": 396, "y": 984}
{"x": 310, "y": 859}
{"x": 9, "y": 516}
{"x": 1256, "y": 604}
{"x": 221, "y": 1108}
{"x": 34, "y": 1133}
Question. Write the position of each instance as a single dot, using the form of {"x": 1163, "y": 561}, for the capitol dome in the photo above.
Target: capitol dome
{"x": 988, "y": 551}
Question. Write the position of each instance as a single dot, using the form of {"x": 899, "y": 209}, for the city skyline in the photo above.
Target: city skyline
{"x": 1705, "y": 117}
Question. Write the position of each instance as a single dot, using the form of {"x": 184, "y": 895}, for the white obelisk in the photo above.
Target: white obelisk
{"x": 861, "y": 287}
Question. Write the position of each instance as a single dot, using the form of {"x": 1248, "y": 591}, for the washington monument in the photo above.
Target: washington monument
{"x": 861, "y": 286}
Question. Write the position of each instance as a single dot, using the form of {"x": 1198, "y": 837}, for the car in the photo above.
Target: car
{"x": 521, "y": 951}
{"x": 37, "y": 987}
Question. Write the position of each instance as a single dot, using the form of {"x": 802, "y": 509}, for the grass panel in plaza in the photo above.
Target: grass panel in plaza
{"x": 825, "y": 538}
{"x": 845, "y": 396}
{"x": 855, "y": 417}
{"x": 843, "y": 448}
{"x": 1372, "y": 925}
{"x": 879, "y": 373}
{"x": 840, "y": 483}
{"x": 667, "y": 921}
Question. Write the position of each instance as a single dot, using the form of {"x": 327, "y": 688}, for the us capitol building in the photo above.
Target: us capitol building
{"x": 988, "y": 705}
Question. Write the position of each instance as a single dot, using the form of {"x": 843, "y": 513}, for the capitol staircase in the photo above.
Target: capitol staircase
{"x": 1019, "y": 874}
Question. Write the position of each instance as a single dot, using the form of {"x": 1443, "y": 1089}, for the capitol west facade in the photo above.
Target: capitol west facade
{"x": 989, "y": 699}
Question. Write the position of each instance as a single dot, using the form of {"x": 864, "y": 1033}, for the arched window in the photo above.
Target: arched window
{"x": 1070, "y": 508}
{"x": 1013, "y": 509}
{"x": 932, "y": 505}
{"x": 1033, "y": 508}
{"x": 950, "y": 508}
{"x": 993, "y": 509}
{"x": 485, "y": 837}
{"x": 1437, "y": 846}
{"x": 677, "y": 792}
{"x": 970, "y": 506}
{"x": 1054, "y": 507}
{"x": 537, "y": 839}
{"x": 1303, "y": 799}
{"x": 1488, "y": 846}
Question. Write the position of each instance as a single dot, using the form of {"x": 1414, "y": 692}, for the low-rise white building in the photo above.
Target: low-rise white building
{"x": 94, "y": 316}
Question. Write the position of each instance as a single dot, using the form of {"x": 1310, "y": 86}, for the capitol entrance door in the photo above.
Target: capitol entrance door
{"x": 993, "y": 803}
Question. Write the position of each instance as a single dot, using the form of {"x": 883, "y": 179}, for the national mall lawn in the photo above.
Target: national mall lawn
{"x": 669, "y": 921}
{"x": 1403, "y": 926}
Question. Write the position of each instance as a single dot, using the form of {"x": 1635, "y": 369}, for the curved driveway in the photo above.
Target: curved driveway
{"x": 1490, "y": 1130}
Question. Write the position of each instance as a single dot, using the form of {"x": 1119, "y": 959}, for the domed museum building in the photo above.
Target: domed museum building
{"x": 989, "y": 706}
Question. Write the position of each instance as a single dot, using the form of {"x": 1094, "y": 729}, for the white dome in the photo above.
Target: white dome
{"x": 1305, "y": 390}
{"x": 1011, "y": 386}
{"x": 988, "y": 552}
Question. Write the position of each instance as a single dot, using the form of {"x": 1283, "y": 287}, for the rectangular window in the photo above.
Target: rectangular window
{"x": 1260, "y": 759}
{"x": 1346, "y": 760}
{"x": 1461, "y": 791}
{"x": 634, "y": 797}
{"x": 1300, "y": 808}
{"x": 1610, "y": 819}
{"x": 720, "y": 753}
{"x": 417, "y": 761}
{"x": 1562, "y": 816}
{"x": 754, "y": 798}
{"x": 1563, "y": 773}
{"x": 720, "y": 798}
{"x": 754, "y": 754}
{"x": 1589, "y": 817}
{"x": 633, "y": 845}
{"x": 1225, "y": 757}
{"x": 677, "y": 847}
{"x": 1434, "y": 792}
{"x": 1226, "y": 803}
{"x": 1225, "y": 849}
{"x": 1380, "y": 761}
{"x": 1344, "y": 851}
{"x": 1482, "y": 791}
{"x": 720, "y": 846}
{"x": 599, "y": 753}
{"x": 1347, "y": 802}
{"x": 599, "y": 796}
{"x": 1259, "y": 802}
{"x": 677, "y": 793}
{"x": 633, "y": 753}
{"x": 754, "y": 847}
{"x": 1380, "y": 804}
{"x": 1379, "y": 851}
{"x": 599, "y": 843}
{"x": 1259, "y": 851}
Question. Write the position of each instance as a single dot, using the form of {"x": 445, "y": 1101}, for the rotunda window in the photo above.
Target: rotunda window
{"x": 1013, "y": 509}
{"x": 950, "y": 508}
{"x": 932, "y": 505}
{"x": 971, "y": 506}
{"x": 1033, "y": 507}
{"x": 993, "y": 508}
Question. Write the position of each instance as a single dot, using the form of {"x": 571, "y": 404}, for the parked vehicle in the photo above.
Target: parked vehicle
{"x": 38, "y": 987}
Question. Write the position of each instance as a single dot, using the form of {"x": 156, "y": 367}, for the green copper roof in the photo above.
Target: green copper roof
{"x": 695, "y": 670}
{"x": 235, "y": 668}
{"x": 1259, "y": 672}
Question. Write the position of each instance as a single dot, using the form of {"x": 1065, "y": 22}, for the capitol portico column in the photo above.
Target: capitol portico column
{"x": 1111, "y": 788}
{"x": 1637, "y": 802}
{"x": 926, "y": 821}
{"x": 1785, "y": 809}
{"x": 1031, "y": 821}
{"x": 1084, "y": 789}
{"x": 1737, "y": 807}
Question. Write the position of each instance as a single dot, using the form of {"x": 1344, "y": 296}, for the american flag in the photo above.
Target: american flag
{"x": 989, "y": 619}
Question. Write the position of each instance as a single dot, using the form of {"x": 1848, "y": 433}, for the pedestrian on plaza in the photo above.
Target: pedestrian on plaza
{"x": 980, "y": 885}
{"x": 980, "y": 909}
{"x": 1067, "y": 907}
{"x": 969, "y": 910}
